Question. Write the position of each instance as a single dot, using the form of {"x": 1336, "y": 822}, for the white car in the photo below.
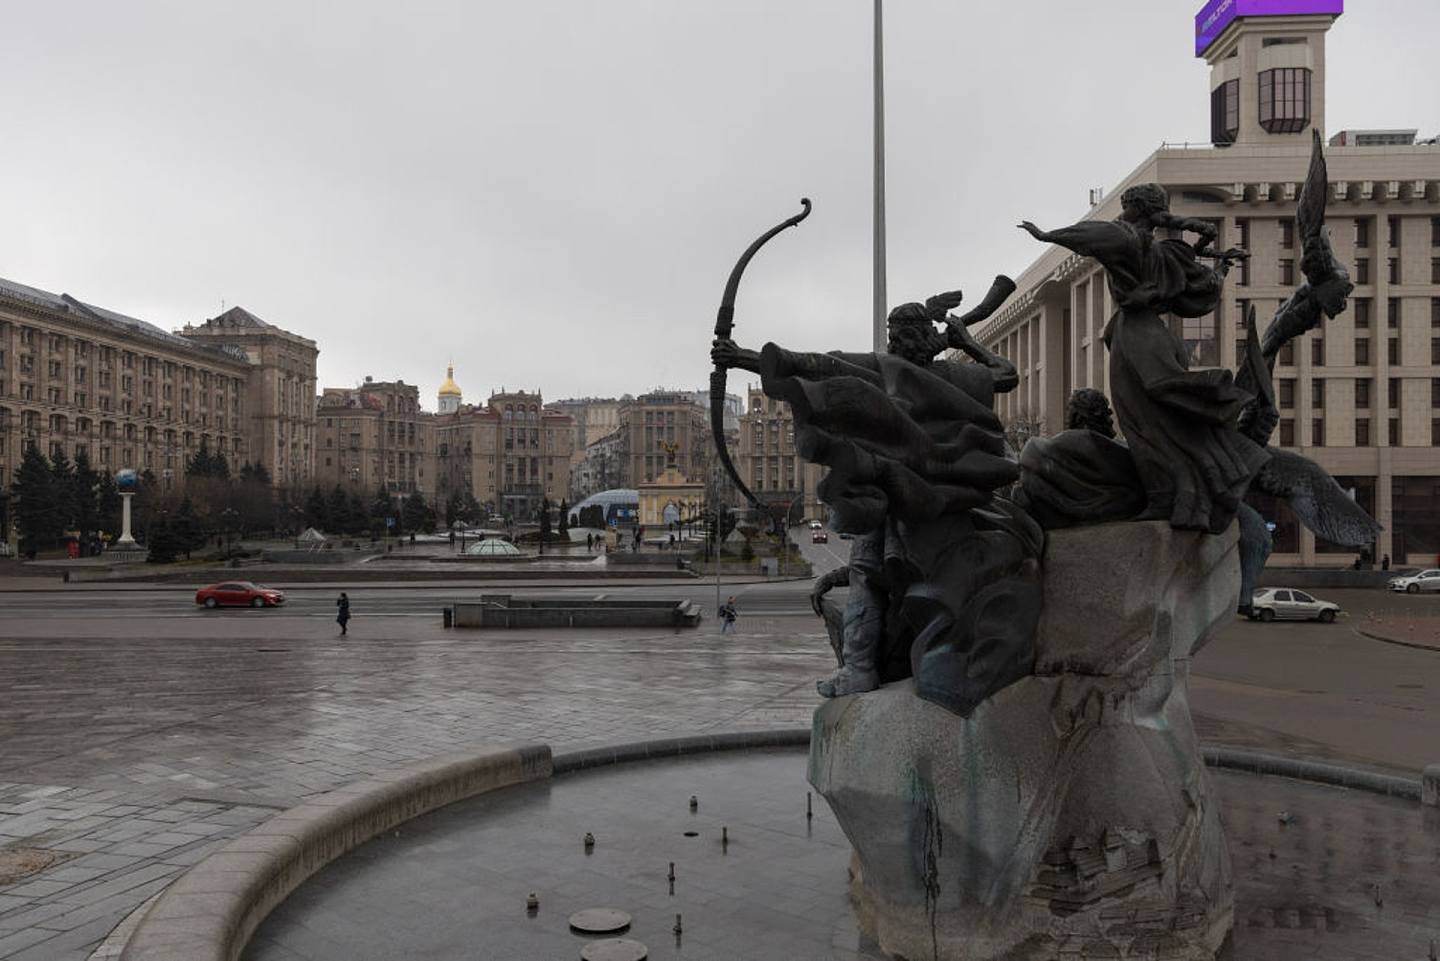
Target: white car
{"x": 1289, "y": 604}
{"x": 1417, "y": 582}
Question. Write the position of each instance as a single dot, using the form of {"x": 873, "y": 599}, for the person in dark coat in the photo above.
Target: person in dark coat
{"x": 727, "y": 616}
{"x": 342, "y": 616}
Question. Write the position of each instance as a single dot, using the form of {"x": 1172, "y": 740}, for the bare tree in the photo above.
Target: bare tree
{"x": 1020, "y": 427}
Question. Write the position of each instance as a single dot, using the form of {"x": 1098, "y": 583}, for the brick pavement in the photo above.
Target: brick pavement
{"x": 130, "y": 756}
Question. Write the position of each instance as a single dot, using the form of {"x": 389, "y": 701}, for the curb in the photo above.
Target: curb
{"x": 1384, "y": 639}
{"x": 1299, "y": 769}
{"x": 677, "y": 747}
{"x": 211, "y": 911}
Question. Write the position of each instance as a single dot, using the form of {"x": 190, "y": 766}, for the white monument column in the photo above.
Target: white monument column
{"x": 126, "y": 481}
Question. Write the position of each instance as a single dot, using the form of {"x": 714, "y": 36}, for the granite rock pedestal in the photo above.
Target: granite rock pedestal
{"x": 1070, "y": 816}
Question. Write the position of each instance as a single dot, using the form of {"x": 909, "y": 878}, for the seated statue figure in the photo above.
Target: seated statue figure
{"x": 943, "y": 575}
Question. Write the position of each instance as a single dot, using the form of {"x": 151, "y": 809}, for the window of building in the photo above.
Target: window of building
{"x": 1362, "y": 351}
{"x": 1317, "y": 393}
{"x": 1392, "y": 313}
{"x": 1362, "y": 232}
{"x": 1392, "y": 351}
{"x": 1287, "y": 232}
{"x": 1317, "y": 432}
{"x": 1317, "y": 351}
{"x": 1285, "y": 99}
{"x": 1287, "y": 272}
{"x": 1394, "y": 432}
{"x": 1362, "y": 432}
{"x": 1239, "y": 350}
{"x": 1393, "y": 231}
{"x": 1362, "y": 270}
{"x": 1287, "y": 354}
{"x": 1242, "y": 311}
{"x": 1435, "y": 350}
{"x": 1392, "y": 392}
{"x": 1435, "y": 270}
{"x": 1362, "y": 394}
{"x": 1225, "y": 112}
{"x": 1287, "y": 432}
{"x": 1435, "y": 231}
{"x": 1415, "y": 515}
{"x": 1392, "y": 267}
{"x": 1287, "y": 393}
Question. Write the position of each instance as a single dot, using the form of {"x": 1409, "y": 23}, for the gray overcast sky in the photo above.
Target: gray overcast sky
{"x": 552, "y": 192}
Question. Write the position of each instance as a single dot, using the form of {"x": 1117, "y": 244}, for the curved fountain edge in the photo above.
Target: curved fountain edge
{"x": 210, "y": 912}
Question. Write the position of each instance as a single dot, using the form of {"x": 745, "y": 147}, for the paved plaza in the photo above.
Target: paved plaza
{"x": 139, "y": 732}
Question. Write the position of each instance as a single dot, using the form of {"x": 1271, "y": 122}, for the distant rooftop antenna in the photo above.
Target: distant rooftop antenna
{"x": 1097, "y": 194}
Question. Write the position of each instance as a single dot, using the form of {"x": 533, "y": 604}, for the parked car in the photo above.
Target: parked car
{"x": 819, "y": 537}
{"x": 239, "y": 594}
{"x": 1417, "y": 582}
{"x": 1288, "y": 604}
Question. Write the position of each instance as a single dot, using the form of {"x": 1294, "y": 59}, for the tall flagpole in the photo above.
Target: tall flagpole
{"x": 879, "y": 281}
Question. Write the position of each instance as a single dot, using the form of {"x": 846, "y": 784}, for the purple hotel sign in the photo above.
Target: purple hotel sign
{"x": 1217, "y": 15}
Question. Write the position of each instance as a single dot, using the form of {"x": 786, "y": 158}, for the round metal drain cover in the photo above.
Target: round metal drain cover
{"x": 600, "y": 921}
{"x": 614, "y": 949}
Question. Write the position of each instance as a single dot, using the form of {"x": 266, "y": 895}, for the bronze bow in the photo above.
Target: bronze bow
{"x": 724, "y": 324}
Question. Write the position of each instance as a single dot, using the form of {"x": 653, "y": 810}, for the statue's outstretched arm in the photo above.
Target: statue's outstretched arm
{"x": 1104, "y": 240}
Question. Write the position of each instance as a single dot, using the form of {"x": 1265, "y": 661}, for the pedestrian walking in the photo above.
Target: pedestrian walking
{"x": 727, "y": 615}
{"x": 590, "y": 543}
{"x": 342, "y": 616}
{"x": 1385, "y": 563}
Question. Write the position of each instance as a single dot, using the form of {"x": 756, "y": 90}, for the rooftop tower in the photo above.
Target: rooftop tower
{"x": 1267, "y": 67}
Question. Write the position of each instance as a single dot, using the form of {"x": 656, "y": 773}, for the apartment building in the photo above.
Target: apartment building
{"x": 767, "y": 460}
{"x": 375, "y": 437}
{"x": 511, "y": 454}
{"x": 76, "y": 378}
{"x": 280, "y": 391}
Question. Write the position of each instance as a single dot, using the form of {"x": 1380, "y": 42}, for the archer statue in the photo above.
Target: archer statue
{"x": 943, "y": 575}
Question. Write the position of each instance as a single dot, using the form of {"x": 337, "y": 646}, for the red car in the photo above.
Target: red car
{"x": 239, "y": 594}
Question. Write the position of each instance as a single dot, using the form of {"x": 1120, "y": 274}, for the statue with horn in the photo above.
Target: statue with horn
{"x": 944, "y": 575}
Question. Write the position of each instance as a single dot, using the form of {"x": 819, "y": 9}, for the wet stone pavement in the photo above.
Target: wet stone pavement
{"x": 453, "y": 884}
{"x": 127, "y": 758}
{"x": 136, "y": 734}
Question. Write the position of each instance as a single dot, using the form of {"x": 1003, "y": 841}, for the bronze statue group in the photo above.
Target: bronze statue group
{"x": 944, "y": 574}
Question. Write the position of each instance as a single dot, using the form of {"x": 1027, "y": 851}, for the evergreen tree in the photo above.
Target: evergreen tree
{"x": 472, "y": 512}
{"x": 219, "y": 467}
{"x": 454, "y": 507}
{"x": 359, "y": 516}
{"x": 199, "y": 465}
{"x": 189, "y": 533}
{"x": 163, "y": 541}
{"x": 108, "y": 506}
{"x": 337, "y": 510}
{"x": 63, "y": 490}
{"x": 564, "y": 518}
{"x": 38, "y": 516}
{"x": 544, "y": 519}
{"x": 85, "y": 494}
{"x": 316, "y": 513}
{"x": 381, "y": 508}
{"x": 418, "y": 516}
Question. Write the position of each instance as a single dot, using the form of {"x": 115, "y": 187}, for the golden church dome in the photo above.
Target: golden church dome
{"x": 449, "y": 388}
